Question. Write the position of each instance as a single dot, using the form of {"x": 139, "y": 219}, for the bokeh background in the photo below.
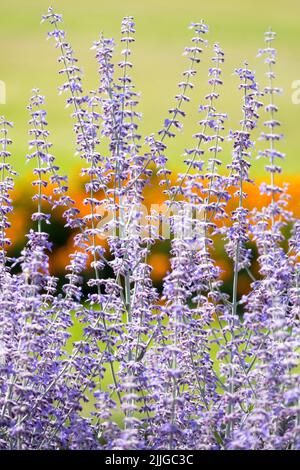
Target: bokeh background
{"x": 28, "y": 61}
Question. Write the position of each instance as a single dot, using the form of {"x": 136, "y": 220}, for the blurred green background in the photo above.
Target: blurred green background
{"x": 28, "y": 60}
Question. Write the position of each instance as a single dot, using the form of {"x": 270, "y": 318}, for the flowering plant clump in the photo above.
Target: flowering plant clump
{"x": 187, "y": 367}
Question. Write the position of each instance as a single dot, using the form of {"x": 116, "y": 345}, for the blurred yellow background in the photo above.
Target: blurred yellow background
{"x": 28, "y": 60}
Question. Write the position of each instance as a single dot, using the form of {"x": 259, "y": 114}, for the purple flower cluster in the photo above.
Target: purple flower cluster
{"x": 190, "y": 367}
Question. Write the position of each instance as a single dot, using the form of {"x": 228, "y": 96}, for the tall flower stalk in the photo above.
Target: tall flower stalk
{"x": 186, "y": 365}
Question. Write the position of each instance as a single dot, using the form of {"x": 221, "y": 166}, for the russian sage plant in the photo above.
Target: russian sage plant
{"x": 190, "y": 366}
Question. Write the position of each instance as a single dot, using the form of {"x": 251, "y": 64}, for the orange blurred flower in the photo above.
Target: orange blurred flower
{"x": 161, "y": 265}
